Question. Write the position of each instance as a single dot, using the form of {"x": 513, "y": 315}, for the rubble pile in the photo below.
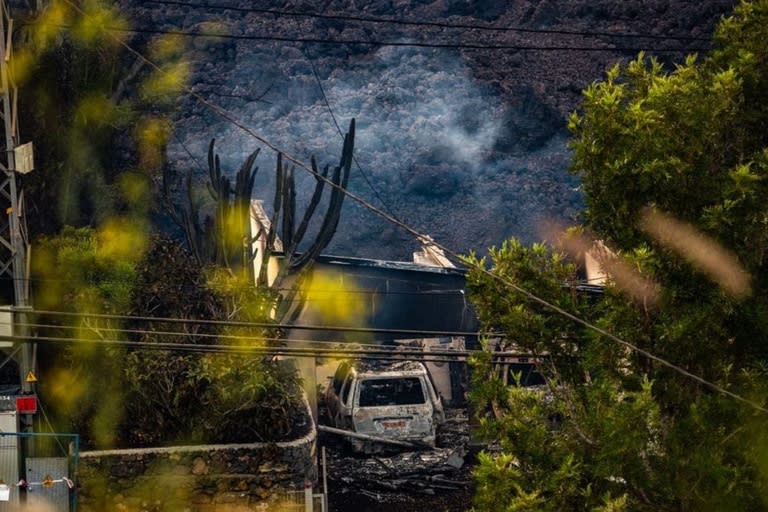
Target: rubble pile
{"x": 425, "y": 472}
{"x": 402, "y": 476}
{"x": 455, "y": 431}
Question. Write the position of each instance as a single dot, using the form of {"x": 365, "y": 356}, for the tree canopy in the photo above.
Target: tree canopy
{"x": 673, "y": 165}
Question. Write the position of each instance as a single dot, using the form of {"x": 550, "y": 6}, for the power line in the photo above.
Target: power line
{"x": 188, "y": 152}
{"x": 261, "y": 325}
{"x": 435, "y": 24}
{"x": 413, "y": 44}
{"x": 244, "y": 350}
{"x": 303, "y": 344}
{"x": 220, "y": 336}
{"x": 314, "y": 291}
{"x": 341, "y": 133}
{"x": 347, "y": 291}
{"x": 552, "y": 307}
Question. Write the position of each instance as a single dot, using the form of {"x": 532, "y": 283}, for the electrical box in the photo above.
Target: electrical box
{"x": 6, "y": 327}
{"x": 24, "y": 158}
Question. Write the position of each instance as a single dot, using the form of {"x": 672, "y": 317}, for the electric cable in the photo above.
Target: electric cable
{"x": 97, "y": 329}
{"x": 246, "y": 350}
{"x": 341, "y": 133}
{"x": 394, "y": 21}
{"x": 405, "y": 44}
{"x": 412, "y": 44}
{"x": 315, "y": 291}
{"x": 303, "y": 344}
{"x": 50, "y": 427}
{"x": 188, "y": 152}
{"x": 262, "y": 325}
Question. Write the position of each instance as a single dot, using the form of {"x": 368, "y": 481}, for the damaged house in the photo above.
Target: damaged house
{"x": 363, "y": 301}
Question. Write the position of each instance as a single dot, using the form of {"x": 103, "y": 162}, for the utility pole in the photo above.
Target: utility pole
{"x": 15, "y": 159}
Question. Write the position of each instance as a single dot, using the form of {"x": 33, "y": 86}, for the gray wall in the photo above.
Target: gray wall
{"x": 202, "y": 478}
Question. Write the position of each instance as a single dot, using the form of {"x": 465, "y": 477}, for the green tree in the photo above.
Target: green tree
{"x": 83, "y": 270}
{"x": 127, "y": 396}
{"x": 674, "y": 167}
{"x": 178, "y": 395}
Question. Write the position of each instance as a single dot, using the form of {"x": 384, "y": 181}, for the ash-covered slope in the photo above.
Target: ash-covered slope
{"x": 464, "y": 144}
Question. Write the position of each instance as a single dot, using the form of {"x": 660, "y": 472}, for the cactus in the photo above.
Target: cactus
{"x": 217, "y": 238}
{"x": 224, "y": 239}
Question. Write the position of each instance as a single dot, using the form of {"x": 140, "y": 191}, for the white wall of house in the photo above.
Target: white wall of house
{"x": 260, "y": 224}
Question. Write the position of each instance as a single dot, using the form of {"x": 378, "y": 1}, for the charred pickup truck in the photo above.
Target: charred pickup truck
{"x": 392, "y": 401}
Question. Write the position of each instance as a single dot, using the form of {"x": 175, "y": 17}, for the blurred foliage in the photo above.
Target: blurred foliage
{"x": 96, "y": 111}
{"x": 144, "y": 396}
{"x": 75, "y": 77}
{"x": 615, "y": 430}
{"x": 85, "y": 271}
{"x": 334, "y": 298}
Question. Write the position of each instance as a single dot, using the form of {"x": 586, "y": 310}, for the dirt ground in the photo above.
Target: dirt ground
{"x": 436, "y": 480}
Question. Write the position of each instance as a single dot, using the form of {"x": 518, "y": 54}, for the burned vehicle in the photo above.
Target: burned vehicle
{"x": 389, "y": 401}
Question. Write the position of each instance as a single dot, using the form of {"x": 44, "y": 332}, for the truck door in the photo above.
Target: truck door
{"x": 343, "y": 417}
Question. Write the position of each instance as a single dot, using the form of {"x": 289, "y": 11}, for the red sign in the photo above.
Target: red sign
{"x": 26, "y": 404}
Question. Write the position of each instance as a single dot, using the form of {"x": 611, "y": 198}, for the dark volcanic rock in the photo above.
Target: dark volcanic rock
{"x": 466, "y": 145}
{"x": 437, "y": 182}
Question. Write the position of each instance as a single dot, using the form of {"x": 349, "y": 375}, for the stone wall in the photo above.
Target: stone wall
{"x": 205, "y": 478}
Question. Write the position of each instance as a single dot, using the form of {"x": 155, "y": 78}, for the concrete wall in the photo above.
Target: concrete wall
{"x": 205, "y": 478}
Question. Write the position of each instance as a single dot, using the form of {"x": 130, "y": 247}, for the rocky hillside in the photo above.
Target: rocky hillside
{"x": 465, "y": 144}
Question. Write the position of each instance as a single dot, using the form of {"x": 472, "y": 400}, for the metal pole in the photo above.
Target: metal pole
{"x": 308, "y": 500}
{"x": 313, "y": 390}
{"x": 18, "y": 244}
{"x": 15, "y": 244}
{"x": 366, "y": 437}
{"x": 325, "y": 481}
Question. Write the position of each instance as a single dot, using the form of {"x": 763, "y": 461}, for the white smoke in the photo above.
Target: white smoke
{"x": 418, "y": 99}
{"x": 408, "y": 104}
{"x": 426, "y": 130}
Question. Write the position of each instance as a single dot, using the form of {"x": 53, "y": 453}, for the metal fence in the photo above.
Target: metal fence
{"x": 38, "y": 471}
